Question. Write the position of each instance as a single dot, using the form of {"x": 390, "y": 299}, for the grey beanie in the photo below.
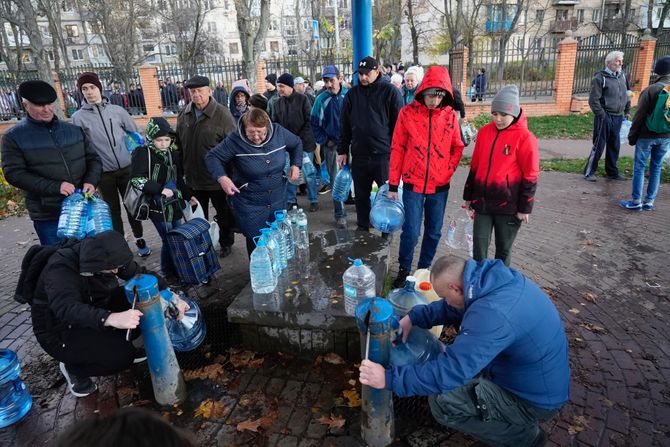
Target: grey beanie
{"x": 507, "y": 101}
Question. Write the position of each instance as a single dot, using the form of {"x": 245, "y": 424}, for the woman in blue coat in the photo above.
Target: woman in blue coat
{"x": 258, "y": 155}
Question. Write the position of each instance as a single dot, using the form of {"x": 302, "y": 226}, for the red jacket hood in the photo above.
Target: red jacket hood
{"x": 436, "y": 77}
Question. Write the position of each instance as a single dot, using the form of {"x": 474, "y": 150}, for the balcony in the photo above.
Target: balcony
{"x": 561, "y": 26}
{"x": 613, "y": 24}
{"x": 496, "y": 26}
{"x": 565, "y": 2}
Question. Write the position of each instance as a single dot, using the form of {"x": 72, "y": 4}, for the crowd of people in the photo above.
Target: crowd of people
{"x": 506, "y": 372}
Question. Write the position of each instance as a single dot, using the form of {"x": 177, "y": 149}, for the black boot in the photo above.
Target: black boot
{"x": 401, "y": 278}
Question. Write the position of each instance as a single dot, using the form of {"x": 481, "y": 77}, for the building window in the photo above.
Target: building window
{"x": 274, "y": 25}
{"x": 612, "y": 12}
{"x": 580, "y": 16}
{"x": 51, "y": 55}
{"x": 539, "y": 15}
{"x": 148, "y": 48}
{"x": 94, "y": 51}
{"x": 211, "y": 27}
{"x": 226, "y": 5}
{"x": 170, "y": 50}
{"x": 274, "y": 46}
{"x": 77, "y": 55}
{"x": 72, "y": 30}
{"x": 631, "y": 15}
{"x": 234, "y": 48}
{"x": 596, "y": 15}
{"x": 306, "y": 24}
{"x": 562, "y": 14}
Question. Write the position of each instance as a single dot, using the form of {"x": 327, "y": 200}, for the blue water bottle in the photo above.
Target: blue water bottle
{"x": 275, "y": 253}
{"x": 133, "y": 140}
{"x": 15, "y": 401}
{"x": 287, "y": 231}
{"x": 99, "y": 217}
{"x": 387, "y": 215}
{"x": 189, "y": 332}
{"x": 342, "y": 184}
{"x": 73, "y": 218}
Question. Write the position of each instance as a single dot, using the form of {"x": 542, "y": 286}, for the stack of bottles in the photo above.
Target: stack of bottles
{"x": 283, "y": 240}
{"x": 83, "y": 216}
{"x": 15, "y": 401}
{"x": 387, "y": 215}
{"x": 359, "y": 283}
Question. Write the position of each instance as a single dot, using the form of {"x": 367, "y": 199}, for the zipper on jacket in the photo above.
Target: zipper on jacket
{"x": 430, "y": 132}
{"x": 67, "y": 168}
{"x": 97, "y": 107}
{"x": 111, "y": 130}
{"x": 488, "y": 169}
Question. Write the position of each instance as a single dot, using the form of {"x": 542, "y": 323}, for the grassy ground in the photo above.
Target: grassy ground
{"x": 569, "y": 127}
{"x": 11, "y": 200}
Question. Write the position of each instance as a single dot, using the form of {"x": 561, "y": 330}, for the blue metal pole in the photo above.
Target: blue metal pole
{"x": 361, "y": 32}
{"x": 377, "y": 422}
{"x": 166, "y": 377}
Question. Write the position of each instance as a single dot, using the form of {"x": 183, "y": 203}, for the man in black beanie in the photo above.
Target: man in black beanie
{"x": 47, "y": 159}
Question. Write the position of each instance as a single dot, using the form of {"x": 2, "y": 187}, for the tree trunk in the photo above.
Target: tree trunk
{"x": 413, "y": 32}
{"x": 252, "y": 35}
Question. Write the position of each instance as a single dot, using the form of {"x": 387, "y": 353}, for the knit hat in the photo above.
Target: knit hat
{"x": 662, "y": 66}
{"x": 158, "y": 127}
{"x": 259, "y": 101}
{"x": 272, "y": 79}
{"x": 88, "y": 77}
{"x": 286, "y": 79}
{"x": 37, "y": 92}
{"x": 507, "y": 101}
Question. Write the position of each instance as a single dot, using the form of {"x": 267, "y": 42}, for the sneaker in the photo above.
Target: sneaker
{"x": 590, "y": 178}
{"x": 648, "y": 207}
{"x": 350, "y": 201}
{"x": 143, "y": 249}
{"x": 341, "y": 222}
{"x": 325, "y": 189}
{"x": 226, "y": 250}
{"x": 78, "y": 386}
{"x": 617, "y": 177}
{"x": 140, "y": 355}
{"x": 401, "y": 278}
{"x": 630, "y": 205}
{"x": 313, "y": 207}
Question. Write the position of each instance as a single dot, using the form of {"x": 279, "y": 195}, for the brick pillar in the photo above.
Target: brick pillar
{"x": 565, "y": 74}
{"x": 644, "y": 61}
{"x": 464, "y": 81}
{"x": 152, "y": 93}
{"x": 59, "y": 93}
{"x": 260, "y": 76}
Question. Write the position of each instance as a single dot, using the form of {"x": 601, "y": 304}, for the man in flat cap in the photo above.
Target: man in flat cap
{"x": 369, "y": 114}
{"x": 47, "y": 159}
{"x": 200, "y": 126}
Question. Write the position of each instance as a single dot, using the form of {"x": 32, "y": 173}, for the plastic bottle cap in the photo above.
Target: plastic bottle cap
{"x": 358, "y": 262}
{"x": 410, "y": 278}
{"x": 425, "y": 286}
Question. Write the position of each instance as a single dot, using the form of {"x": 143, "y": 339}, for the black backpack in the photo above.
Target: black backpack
{"x": 31, "y": 268}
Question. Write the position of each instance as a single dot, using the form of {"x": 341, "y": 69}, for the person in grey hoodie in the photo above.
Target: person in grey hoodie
{"x": 610, "y": 103}
{"x": 105, "y": 126}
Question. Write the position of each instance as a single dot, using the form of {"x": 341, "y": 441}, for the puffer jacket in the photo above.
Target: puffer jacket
{"x": 105, "y": 125}
{"x": 426, "y": 146}
{"x": 645, "y": 107}
{"x": 261, "y": 168}
{"x": 509, "y": 330}
{"x": 196, "y": 136}
{"x": 293, "y": 113}
{"x": 504, "y": 169}
{"x": 37, "y": 157}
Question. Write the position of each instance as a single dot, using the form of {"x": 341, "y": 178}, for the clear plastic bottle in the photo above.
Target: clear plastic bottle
{"x": 275, "y": 254}
{"x": 73, "y": 216}
{"x": 460, "y": 231}
{"x": 301, "y": 218}
{"x": 302, "y": 245}
{"x": 405, "y": 298}
{"x": 99, "y": 217}
{"x": 15, "y": 400}
{"x": 359, "y": 283}
{"x": 342, "y": 184}
{"x": 263, "y": 279}
{"x": 281, "y": 242}
{"x": 387, "y": 215}
{"x": 292, "y": 216}
{"x": 308, "y": 169}
{"x": 625, "y": 129}
{"x": 285, "y": 227}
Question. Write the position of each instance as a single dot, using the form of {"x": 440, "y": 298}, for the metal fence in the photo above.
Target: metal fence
{"x": 456, "y": 66}
{"x": 662, "y": 49}
{"x": 529, "y": 64}
{"x": 11, "y": 107}
{"x": 591, "y": 52}
{"x": 310, "y": 69}
{"x": 118, "y": 88}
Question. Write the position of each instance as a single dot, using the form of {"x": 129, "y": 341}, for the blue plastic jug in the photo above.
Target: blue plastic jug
{"x": 625, "y": 129}
{"x": 421, "y": 346}
{"x": 133, "y": 140}
{"x": 189, "y": 332}
{"x": 263, "y": 279}
{"x": 15, "y": 401}
{"x": 387, "y": 215}
{"x": 404, "y": 299}
{"x": 308, "y": 169}
{"x": 99, "y": 217}
{"x": 342, "y": 184}
{"x": 73, "y": 218}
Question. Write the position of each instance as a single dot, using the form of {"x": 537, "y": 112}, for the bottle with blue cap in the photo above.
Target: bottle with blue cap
{"x": 275, "y": 254}
{"x": 15, "y": 401}
{"x": 342, "y": 184}
{"x": 285, "y": 227}
{"x": 281, "y": 243}
{"x": 359, "y": 282}
{"x": 263, "y": 279}
{"x": 99, "y": 216}
{"x": 387, "y": 215}
{"x": 73, "y": 218}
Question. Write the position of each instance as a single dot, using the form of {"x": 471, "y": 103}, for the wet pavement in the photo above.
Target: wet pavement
{"x": 604, "y": 267}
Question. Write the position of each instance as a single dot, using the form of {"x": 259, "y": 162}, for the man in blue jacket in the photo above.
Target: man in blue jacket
{"x": 507, "y": 370}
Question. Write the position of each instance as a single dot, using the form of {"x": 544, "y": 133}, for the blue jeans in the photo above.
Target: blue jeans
{"x": 416, "y": 205}
{"x": 167, "y": 266}
{"x": 47, "y": 231}
{"x": 311, "y": 186}
{"x": 330, "y": 161}
{"x": 605, "y": 133}
{"x": 656, "y": 148}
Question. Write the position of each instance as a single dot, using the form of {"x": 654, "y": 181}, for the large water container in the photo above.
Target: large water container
{"x": 308, "y": 169}
{"x": 625, "y": 129}
{"x": 281, "y": 243}
{"x": 421, "y": 346}
{"x": 287, "y": 231}
{"x": 99, "y": 217}
{"x": 275, "y": 254}
{"x": 460, "y": 231}
{"x": 73, "y": 218}
{"x": 425, "y": 288}
{"x": 387, "y": 215}
{"x": 359, "y": 283}
{"x": 15, "y": 401}
{"x": 405, "y": 298}
{"x": 133, "y": 140}
{"x": 189, "y": 332}
{"x": 342, "y": 184}
{"x": 263, "y": 279}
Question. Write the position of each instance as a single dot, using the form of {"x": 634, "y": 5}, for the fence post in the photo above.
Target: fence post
{"x": 152, "y": 93}
{"x": 565, "y": 73}
{"x": 260, "y": 76}
{"x": 644, "y": 61}
{"x": 464, "y": 70}
{"x": 59, "y": 93}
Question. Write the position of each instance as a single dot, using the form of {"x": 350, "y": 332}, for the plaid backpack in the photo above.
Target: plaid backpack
{"x": 659, "y": 119}
{"x": 192, "y": 252}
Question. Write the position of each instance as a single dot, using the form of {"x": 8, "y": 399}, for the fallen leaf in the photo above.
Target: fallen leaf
{"x": 141, "y": 403}
{"x": 593, "y": 328}
{"x": 332, "y": 421}
{"x": 240, "y": 359}
{"x": 166, "y": 415}
{"x": 212, "y": 372}
{"x": 352, "y": 382}
{"x": 256, "y": 363}
{"x": 127, "y": 392}
{"x": 264, "y": 422}
{"x": 249, "y": 425}
{"x": 353, "y": 399}
{"x": 579, "y": 424}
{"x": 573, "y": 311}
{"x": 590, "y": 297}
{"x": 333, "y": 359}
{"x": 607, "y": 402}
{"x": 211, "y": 409}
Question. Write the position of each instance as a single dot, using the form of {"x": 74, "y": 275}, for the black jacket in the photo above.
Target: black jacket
{"x": 645, "y": 106}
{"x": 292, "y": 112}
{"x": 609, "y": 94}
{"x": 37, "y": 157}
{"x": 368, "y": 118}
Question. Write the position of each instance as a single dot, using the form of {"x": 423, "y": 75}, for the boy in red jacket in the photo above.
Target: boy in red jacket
{"x": 503, "y": 176}
{"x": 425, "y": 151}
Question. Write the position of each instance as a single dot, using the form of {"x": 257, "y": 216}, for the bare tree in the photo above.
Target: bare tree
{"x": 413, "y": 32}
{"x": 507, "y": 31}
{"x": 386, "y": 17}
{"x": 6, "y": 50}
{"x": 662, "y": 15}
{"x": 51, "y": 9}
{"x": 252, "y": 23}
{"x": 462, "y": 22}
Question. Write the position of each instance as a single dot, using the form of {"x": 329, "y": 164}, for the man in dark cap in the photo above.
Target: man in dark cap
{"x": 271, "y": 92}
{"x": 377, "y": 104}
{"x": 47, "y": 159}
{"x": 200, "y": 126}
